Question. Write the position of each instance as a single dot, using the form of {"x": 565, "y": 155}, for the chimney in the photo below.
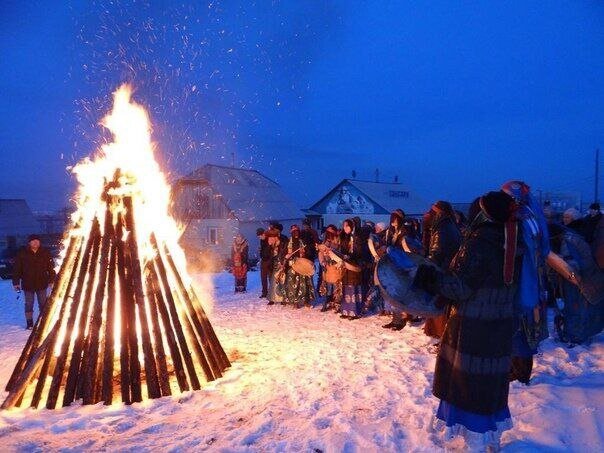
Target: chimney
{"x": 354, "y": 174}
{"x": 377, "y": 175}
{"x": 396, "y": 178}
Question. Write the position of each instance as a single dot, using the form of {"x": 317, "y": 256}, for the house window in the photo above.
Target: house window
{"x": 213, "y": 235}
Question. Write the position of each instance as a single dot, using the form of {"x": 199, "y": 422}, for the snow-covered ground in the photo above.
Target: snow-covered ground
{"x": 308, "y": 381}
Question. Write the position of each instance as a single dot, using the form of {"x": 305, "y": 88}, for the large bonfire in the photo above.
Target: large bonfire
{"x": 123, "y": 318}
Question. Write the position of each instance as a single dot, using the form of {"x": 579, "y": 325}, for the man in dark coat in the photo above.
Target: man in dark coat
{"x": 33, "y": 273}
{"x": 279, "y": 227}
{"x": 265, "y": 261}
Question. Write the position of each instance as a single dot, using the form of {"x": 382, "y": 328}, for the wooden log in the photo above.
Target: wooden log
{"x": 44, "y": 320}
{"x": 57, "y": 376}
{"x": 203, "y": 354}
{"x": 177, "y": 324}
{"x": 160, "y": 354}
{"x": 108, "y": 352}
{"x": 177, "y": 361}
{"x": 212, "y": 345}
{"x": 33, "y": 365}
{"x": 124, "y": 318}
{"x": 98, "y": 387}
{"x": 50, "y": 360}
{"x": 194, "y": 340}
{"x": 135, "y": 366}
{"x": 210, "y": 357}
{"x": 151, "y": 377}
{"x": 73, "y": 373}
{"x": 88, "y": 373}
{"x": 209, "y": 330}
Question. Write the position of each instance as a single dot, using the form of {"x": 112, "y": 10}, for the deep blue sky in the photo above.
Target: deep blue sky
{"x": 454, "y": 97}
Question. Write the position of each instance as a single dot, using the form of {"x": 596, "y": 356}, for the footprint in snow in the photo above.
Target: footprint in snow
{"x": 153, "y": 429}
{"x": 124, "y": 426}
{"x": 322, "y": 423}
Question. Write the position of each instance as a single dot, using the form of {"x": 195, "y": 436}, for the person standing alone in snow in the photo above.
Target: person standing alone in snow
{"x": 239, "y": 255}
{"x": 33, "y": 273}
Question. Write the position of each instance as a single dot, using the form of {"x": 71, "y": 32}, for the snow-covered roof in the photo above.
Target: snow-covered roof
{"x": 249, "y": 194}
{"x": 352, "y": 196}
{"x": 16, "y": 219}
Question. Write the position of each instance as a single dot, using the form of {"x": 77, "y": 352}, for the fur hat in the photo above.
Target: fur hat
{"x": 498, "y": 206}
{"x": 33, "y": 237}
{"x": 260, "y": 231}
{"x": 595, "y": 206}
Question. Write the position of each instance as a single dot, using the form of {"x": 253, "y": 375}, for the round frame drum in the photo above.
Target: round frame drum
{"x": 304, "y": 267}
{"x": 396, "y": 285}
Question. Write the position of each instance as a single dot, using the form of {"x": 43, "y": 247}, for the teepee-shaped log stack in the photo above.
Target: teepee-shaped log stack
{"x": 114, "y": 328}
{"x": 122, "y": 322}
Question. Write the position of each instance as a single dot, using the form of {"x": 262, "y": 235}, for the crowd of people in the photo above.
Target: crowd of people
{"x": 495, "y": 273}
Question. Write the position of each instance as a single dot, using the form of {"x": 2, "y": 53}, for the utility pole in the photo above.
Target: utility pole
{"x": 597, "y": 194}
{"x": 233, "y": 160}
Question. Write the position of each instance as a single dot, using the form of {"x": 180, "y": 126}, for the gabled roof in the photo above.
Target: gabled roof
{"x": 16, "y": 218}
{"x": 249, "y": 194}
{"x": 388, "y": 196}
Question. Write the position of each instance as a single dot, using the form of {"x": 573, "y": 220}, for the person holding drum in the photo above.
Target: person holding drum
{"x": 299, "y": 288}
{"x": 394, "y": 236}
{"x": 277, "y": 250}
{"x": 471, "y": 377}
{"x": 331, "y": 268}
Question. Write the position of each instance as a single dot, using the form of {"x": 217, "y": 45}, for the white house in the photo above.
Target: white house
{"x": 368, "y": 200}
{"x": 215, "y": 203}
